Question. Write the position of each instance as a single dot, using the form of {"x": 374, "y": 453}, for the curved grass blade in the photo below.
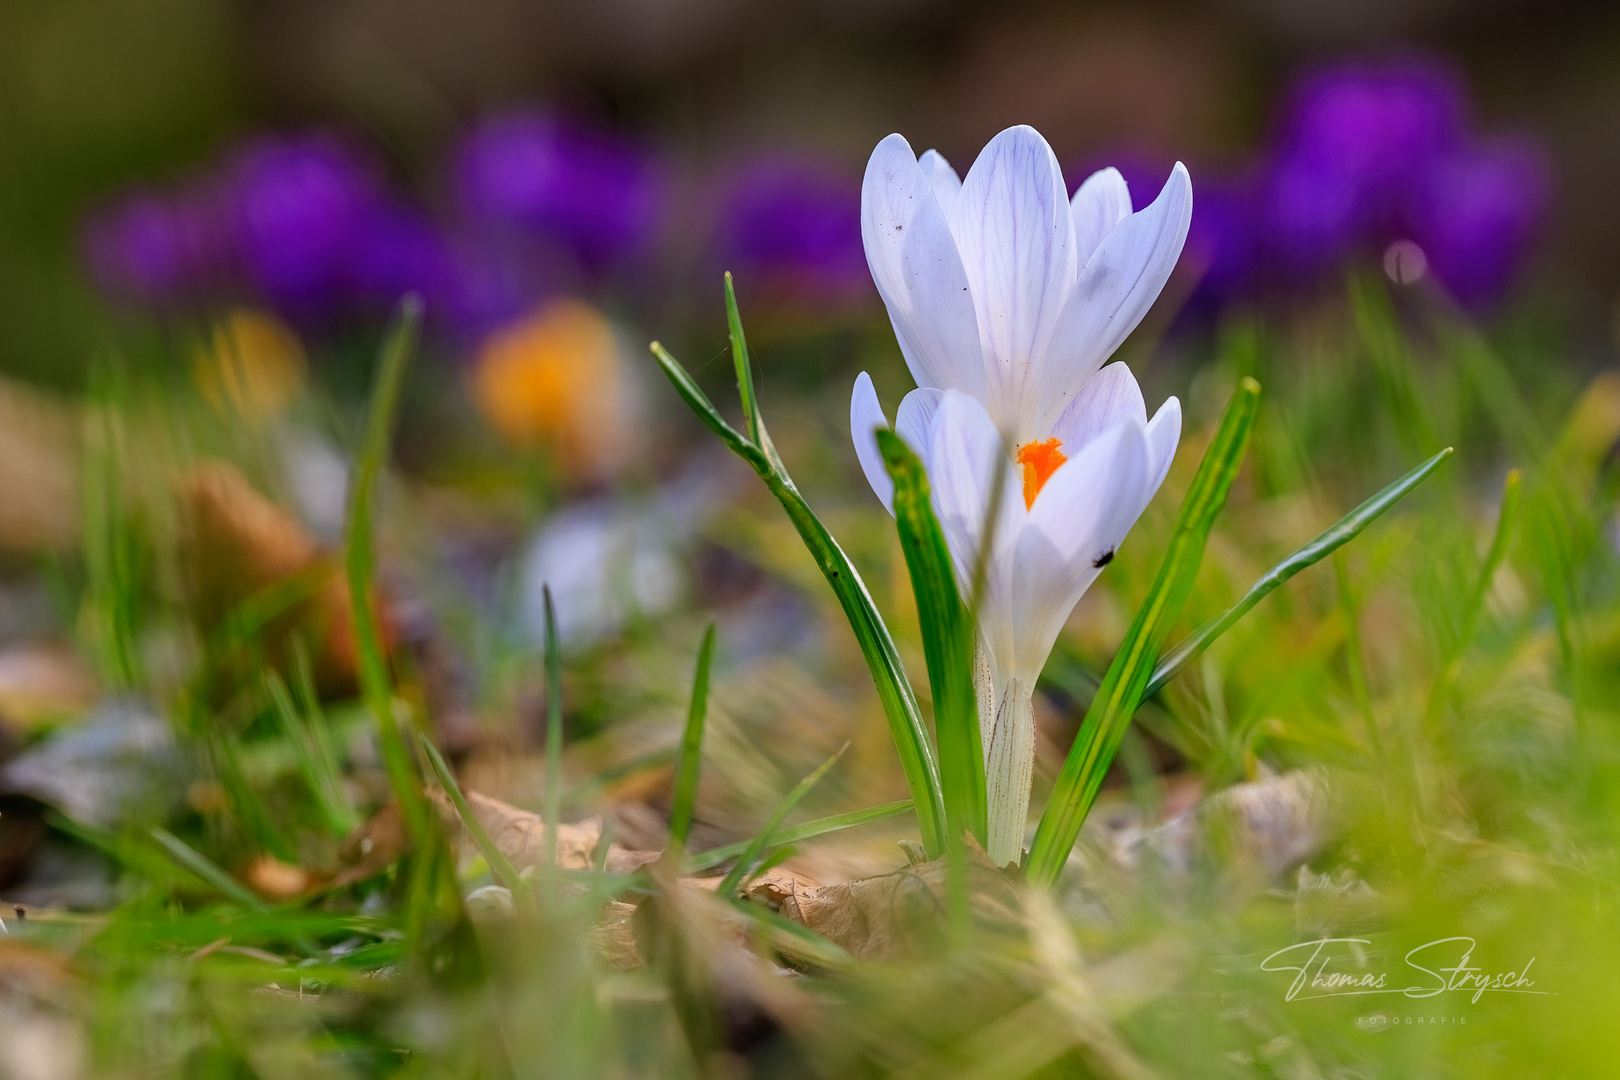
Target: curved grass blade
{"x": 319, "y": 769}
{"x": 553, "y": 800}
{"x": 794, "y": 833}
{"x": 207, "y": 870}
{"x": 750, "y": 855}
{"x": 1343, "y": 531}
{"x": 877, "y": 645}
{"x": 947, "y": 635}
{"x": 375, "y": 682}
{"x": 499, "y": 864}
{"x": 684, "y": 799}
{"x": 795, "y": 939}
{"x": 1507, "y": 518}
{"x": 1122, "y": 688}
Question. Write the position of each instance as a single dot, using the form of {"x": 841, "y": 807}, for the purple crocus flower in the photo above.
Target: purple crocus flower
{"x": 155, "y": 248}
{"x": 396, "y": 249}
{"x": 1475, "y": 213}
{"x": 1353, "y": 137}
{"x": 592, "y": 192}
{"x": 1368, "y": 155}
{"x": 790, "y": 228}
{"x": 298, "y": 206}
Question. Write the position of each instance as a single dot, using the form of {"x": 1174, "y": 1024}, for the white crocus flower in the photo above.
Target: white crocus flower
{"x": 1007, "y": 297}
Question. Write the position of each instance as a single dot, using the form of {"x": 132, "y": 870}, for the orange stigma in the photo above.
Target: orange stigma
{"x": 1040, "y": 460}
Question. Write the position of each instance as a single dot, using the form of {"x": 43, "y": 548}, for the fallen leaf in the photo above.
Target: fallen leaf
{"x": 275, "y": 880}
{"x": 235, "y": 544}
{"x": 902, "y": 913}
{"x": 372, "y": 848}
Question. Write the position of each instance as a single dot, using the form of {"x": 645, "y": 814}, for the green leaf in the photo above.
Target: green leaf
{"x": 375, "y": 682}
{"x": 750, "y": 855}
{"x": 947, "y": 634}
{"x": 1123, "y": 687}
{"x": 795, "y": 939}
{"x": 554, "y": 719}
{"x": 794, "y": 833}
{"x": 1343, "y": 531}
{"x": 319, "y": 770}
{"x": 206, "y": 869}
{"x": 1507, "y": 518}
{"x": 499, "y": 864}
{"x": 877, "y": 645}
{"x": 684, "y": 799}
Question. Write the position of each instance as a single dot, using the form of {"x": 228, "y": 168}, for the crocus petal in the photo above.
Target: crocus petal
{"x": 1102, "y": 202}
{"x": 1016, "y": 238}
{"x": 1108, "y": 398}
{"x": 1163, "y": 436}
{"x": 947, "y": 185}
{"x": 918, "y": 272}
{"x": 865, "y": 417}
{"x": 965, "y": 454}
{"x": 916, "y": 414}
{"x": 1077, "y": 523}
{"x": 1115, "y": 289}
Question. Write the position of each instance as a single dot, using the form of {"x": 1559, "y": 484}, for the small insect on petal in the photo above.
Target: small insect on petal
{"x": 1103, "y": 560}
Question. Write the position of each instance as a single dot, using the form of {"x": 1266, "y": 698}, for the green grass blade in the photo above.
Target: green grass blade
{"x": 499, "y": 864}
{"x": 796, "y": 939}
{"x": 375, "y": 682}
{"x": 319, "y": 771}
{"x": 947, "y": 635}
{"x": 684, "y": 799}
{"x": 877, "y": 645}
{"x": 1343, "y": 531}
{"x": 553, "y": 800}
{"x": 754, "y": 422}
{"x": 1507, "y": 519}
{"x": 206, "y": 869}
{"x": 1122, "y": 688}
{"x": 750, "y": 855}
{"x": 794, "y": 833}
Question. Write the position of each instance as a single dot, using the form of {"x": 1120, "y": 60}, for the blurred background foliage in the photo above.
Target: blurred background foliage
{"x": 1404, "y": 229}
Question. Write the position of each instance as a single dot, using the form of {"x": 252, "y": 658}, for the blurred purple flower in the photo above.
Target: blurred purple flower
{"x": 594, "y": 192}
{"x": 790, "y": 228}
{"x": 1475, "y": 214}
{"x": 1368, "y": 154}
{"x": 396, "y": 249}
{"x": 299, "y": 204}
{"x": 158, "y": 249}
{"x": 493, "y": 285}
{"x": 1353, "y": 138}
{"x": 1223, "y": 245}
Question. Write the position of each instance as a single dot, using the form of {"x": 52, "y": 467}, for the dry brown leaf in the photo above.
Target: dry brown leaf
{"x": 40, "y": 683}
{"x": 275, "y": 880}
{"x": 521, "y": 835}
{"x": 614, "y": 937}
{"x": 901, "y": 913}
{"x": 39, "y": 470}
{"x": 235, "y": 543}
{"x": 373, "y": 847}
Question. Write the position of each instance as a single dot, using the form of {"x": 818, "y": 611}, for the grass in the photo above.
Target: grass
{"x": 1451, "y": 679}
